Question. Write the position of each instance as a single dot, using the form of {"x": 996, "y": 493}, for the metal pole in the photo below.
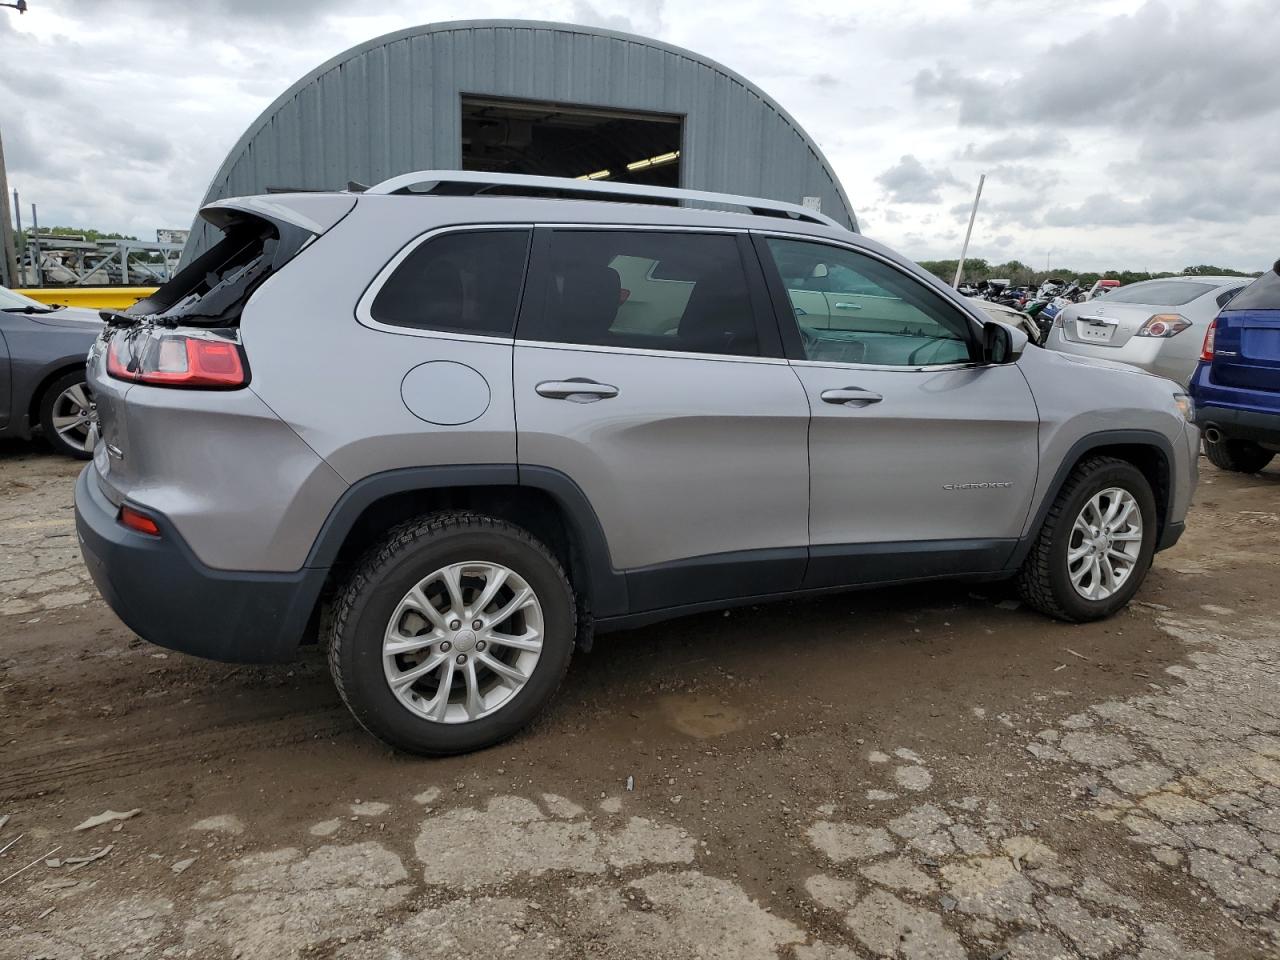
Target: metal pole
{"x": 35, "y": 242}
{"x": 973, "y": 215}
{"x": 8, "y": 253}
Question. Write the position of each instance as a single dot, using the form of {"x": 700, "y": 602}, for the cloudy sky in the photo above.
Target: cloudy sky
{"x": 1114, "y": 133}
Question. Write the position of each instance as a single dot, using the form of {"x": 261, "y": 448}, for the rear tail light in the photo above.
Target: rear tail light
{"x": 138, "y": 521}
{"x": 1163, "y": 326}
{"x": 166, "y": 359}
{"x": 1206, "y": 352}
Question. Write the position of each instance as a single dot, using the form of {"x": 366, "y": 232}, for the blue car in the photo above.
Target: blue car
{"x": 1236, "y": 386}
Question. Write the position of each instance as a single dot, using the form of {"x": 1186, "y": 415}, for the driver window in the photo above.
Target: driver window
{"x": 852, "y": 308}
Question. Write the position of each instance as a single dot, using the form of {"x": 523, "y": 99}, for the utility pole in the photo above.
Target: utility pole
{"x": 35, "y": 242}
{"x": 8, "y": 252}
{"x": 973, "y": 215}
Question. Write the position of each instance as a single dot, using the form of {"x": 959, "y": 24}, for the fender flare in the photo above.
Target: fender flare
{"x": 606, "y": 587}
{"x": 1096, "y": 441}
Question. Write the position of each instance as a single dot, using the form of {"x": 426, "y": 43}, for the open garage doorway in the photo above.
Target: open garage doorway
{"x": 556, "y": 140}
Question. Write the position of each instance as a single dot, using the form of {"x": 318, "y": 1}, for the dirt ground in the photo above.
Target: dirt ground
{"x": 931, "y": 772}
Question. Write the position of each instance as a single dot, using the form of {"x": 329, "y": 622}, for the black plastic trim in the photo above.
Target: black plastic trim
{"x": 166, "y": 595}
{"x": 857, "y": 564}
{"x": 606, "y": 586}
{"x": 644, "y": 618}
{"x": 1170, "y": 535}
{"x": 363, "y": 493}
{"x": 1240, "y": 424}
{"x": 719, "y": 576}
{"x": 1086, "y": 444}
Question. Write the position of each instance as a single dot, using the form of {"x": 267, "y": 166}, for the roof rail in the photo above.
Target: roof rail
{"x": 473, "y": 183}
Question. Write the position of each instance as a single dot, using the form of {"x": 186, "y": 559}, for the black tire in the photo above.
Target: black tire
{"x": 1238, "y": 456}
{"x": 47, "y": 401}
{"x": 364, "y": 605}
{"x": 1044, "y": 581}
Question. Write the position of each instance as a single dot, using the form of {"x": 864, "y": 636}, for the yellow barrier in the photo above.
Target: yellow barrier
{"x": 92, "y": 298}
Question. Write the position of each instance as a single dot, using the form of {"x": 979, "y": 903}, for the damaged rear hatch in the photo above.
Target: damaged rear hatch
{"x": 185, "y": 336}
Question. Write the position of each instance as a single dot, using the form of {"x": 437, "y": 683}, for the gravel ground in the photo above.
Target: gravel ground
{"x": 927, "y": 772}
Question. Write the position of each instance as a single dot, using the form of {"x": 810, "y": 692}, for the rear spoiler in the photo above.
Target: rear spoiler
{"x": 313, "y": 212}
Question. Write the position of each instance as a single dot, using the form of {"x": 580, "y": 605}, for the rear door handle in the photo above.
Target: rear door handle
{"x": 851, "y": 397}
{"x": 576, "y": 390}
{"x": 845, "y": 305}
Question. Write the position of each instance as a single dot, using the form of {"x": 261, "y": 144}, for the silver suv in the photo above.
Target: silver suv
{"x": 455, "y": 424}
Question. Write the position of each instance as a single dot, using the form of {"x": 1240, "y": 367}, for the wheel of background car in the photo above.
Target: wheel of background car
{"x": 452, "y": 634}
{"x": 1238, "y": 456}
{"x": 1095, "y": 547}
{"x": 67, "y": 412}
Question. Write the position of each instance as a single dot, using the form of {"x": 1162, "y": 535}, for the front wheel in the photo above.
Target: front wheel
{"x": 1238, "y": 456}
{"x": 67, "y": 412}
{"x": 1096, "y": 544}
{"x": 452, "y": 634}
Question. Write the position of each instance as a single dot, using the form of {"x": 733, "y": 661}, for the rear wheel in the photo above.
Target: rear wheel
{"x": 1096, "y": 545}
{"x": 1239, "y": 456}
{"x": 67, "y": 411}
{"x": 452, "y": 635}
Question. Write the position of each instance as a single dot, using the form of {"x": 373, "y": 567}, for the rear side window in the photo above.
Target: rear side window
{"x": 656, "y": 291}
{"x": 457, "y": 283}
{"x": 1160, "y": 293}
{"x": 1226, "y": 296}
{"x": 1262, "y": 294}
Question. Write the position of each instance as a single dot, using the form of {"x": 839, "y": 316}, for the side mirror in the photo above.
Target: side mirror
{"x": 1001, "y": 343}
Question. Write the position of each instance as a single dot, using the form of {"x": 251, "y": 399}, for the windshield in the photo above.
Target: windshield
{"x": 16, "y": 301}
{"x": 1159, "y": 293}
{"x": 1262, "y": 294}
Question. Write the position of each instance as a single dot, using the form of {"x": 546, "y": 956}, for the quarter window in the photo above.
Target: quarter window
{"x": 656, "y": 291}
{"x": 457, "y": 283}
{"x": 852, "y": 308}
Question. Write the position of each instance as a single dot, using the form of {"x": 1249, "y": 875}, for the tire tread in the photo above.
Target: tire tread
{"x": 1238, "y": 456}
{"x": 1034, "y": 581}
{"x": 400, "y": 537}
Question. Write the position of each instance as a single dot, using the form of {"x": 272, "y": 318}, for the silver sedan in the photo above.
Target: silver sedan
{"x": 1158, "y": 325}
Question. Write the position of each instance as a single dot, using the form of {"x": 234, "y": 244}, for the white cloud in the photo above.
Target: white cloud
{"x": 1114, "y": 132}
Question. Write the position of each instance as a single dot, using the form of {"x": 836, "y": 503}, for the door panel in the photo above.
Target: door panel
{"x": 691, "y": 457}
{"x": 944, "y": 455}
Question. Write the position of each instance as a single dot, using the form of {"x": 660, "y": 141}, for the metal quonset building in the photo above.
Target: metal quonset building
{"x": 527, "y": 97}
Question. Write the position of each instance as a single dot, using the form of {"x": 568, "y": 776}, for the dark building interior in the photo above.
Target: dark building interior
{"x": 555, "y": 140}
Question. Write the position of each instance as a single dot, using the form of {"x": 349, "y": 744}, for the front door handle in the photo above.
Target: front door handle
{"x": 851, "y": 397}
{"x": 845, "y": 305}
{"x": 576, "y": 390}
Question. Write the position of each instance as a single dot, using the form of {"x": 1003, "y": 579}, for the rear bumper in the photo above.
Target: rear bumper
{"x": 1236, "y": 424}
{"x": 158, "y": 587}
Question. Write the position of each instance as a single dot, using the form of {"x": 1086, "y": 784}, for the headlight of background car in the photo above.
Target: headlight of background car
{"x": 1186, "y": 405}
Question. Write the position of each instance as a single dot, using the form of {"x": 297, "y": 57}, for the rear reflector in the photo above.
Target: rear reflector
{"x": 139, "y": 522}
{"x": 176, "y": 360}
{"x": 1206, "y": 352}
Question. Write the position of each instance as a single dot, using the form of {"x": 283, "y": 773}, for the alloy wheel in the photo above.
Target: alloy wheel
{"x": 463, "y": 642}
{"x": 1105, "y": 543}
{"x": 74, "y": 413}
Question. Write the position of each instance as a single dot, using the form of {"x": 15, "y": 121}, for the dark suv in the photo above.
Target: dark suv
{"x": 1236, "y": 386}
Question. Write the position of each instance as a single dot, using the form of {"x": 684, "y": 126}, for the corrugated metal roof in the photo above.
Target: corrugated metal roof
{"x": 393, "y": 105}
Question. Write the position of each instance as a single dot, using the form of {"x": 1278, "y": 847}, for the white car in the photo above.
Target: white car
{"x": 1158, "y": 325}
